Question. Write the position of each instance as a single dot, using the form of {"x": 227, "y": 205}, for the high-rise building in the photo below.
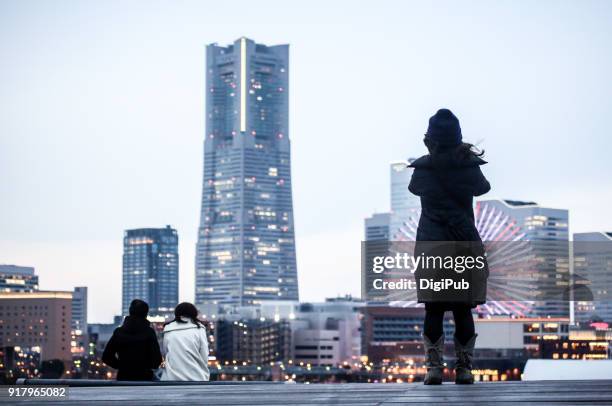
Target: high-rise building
{"x": 547, "y": 272}
{"x": 593, "y": 271}
{"x": 79, "y": 309}
{"x": 14, "y": 278}
{"x": 150, "y": 268}
{"x": 376, "y": 243}
{"x": 405, "y": 207}
{"x": 245, "y": 252}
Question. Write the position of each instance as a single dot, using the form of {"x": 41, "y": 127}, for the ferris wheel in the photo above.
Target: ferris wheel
{"x": 512, "y": 263}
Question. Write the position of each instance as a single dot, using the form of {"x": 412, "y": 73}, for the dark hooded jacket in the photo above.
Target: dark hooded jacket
{"x": 133, "y": 350}
{"x": 447, "y": 186}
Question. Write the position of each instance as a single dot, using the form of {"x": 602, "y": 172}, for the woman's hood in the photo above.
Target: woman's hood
{"x": 175, "y": 325}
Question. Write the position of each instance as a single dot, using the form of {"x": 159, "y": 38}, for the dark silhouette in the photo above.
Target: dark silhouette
{"x": 447, "y": 179}
{"x": 133, "y": 349}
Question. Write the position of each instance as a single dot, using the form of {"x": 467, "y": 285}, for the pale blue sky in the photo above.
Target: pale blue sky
{"x": 101, "y": 119}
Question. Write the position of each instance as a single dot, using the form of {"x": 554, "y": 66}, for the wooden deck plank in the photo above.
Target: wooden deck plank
{"x": 550, "y": 392}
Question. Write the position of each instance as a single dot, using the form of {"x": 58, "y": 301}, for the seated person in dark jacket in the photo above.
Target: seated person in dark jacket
{"x": 133, "y": 349}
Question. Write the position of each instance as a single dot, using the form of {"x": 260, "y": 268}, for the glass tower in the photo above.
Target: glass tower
{"x": 245, "y": 252}
{"x": 593, "y": 269}
{"x": 404, "y": 205}
{"x": 150, "y": 268}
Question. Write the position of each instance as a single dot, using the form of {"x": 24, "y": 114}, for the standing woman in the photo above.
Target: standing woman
{"x": 185, "y": 346}
{"x": 446, "y": 180}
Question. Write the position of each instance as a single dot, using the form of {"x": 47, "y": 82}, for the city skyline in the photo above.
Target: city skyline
{"x": 73, "y": 127}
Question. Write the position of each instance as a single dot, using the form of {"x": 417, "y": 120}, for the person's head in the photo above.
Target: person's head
{"x": 139, "y": 308}
{"x": 187, "y": 311}
{"x": 444, "y": 129}
{"x": 444, "y": 135}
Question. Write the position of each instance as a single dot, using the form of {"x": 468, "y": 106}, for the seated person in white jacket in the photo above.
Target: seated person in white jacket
{"x": 185, "y": 346}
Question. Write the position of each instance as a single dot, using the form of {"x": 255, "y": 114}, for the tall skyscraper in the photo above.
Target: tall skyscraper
{"x": 405, "y": 207}
{"x": 150, "y": 268}
{"x": 14, "y": 278}
{"x": 245, "y": 252}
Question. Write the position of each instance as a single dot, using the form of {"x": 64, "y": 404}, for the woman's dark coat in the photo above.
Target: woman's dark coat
{"x": 447, "y": 186}
{"x": 133, "y": 350}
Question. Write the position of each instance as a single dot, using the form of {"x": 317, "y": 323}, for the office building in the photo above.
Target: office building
{"x": 254, "y": 341}
{"x": 593, "y": 277}
{"x": 376, "y": 243}
{"x": 14, "y": 278}
{"x": 529, "y": 270}
{"x": 79, "y": 309}
{"x": 328, "y": 333}
{"x": 405, "y": 207}
{"x": 245, "y": 252}
{"x": 377, "y": 227}
{"x": 150, "y": 268}
{"x": 39, "y": 320}
{"x": 400, "y": 223}
{"x": 392, "y": 334}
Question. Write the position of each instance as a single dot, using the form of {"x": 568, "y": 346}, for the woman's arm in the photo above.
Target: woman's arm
{"x": 481, "y": 185}
{"x": 156, "y": 357}
{"x": 109, "y": 357}
{"x": 415, "y": 187}
{"x": 204, "y": 344}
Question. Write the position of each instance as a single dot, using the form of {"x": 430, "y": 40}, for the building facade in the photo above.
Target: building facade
{"x": 405, "y": 207}
{"x": 245, "y": 252}
{"x": 39, "y": 320}
{"x": 254, "y": 342}
{"x": 377, "y": 227}
{"x": 328, "y": 333}
{"x": 14, "y": 278}
{"x": 393, "y": 333}
{"x": 79, "y": 309}
{"x": 150, "y": 268}
{"x": 593, "y": 272}
{"x": 541, "y": 236}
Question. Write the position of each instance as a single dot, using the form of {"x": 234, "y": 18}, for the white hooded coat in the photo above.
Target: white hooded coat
{"x": 186, "y": 349}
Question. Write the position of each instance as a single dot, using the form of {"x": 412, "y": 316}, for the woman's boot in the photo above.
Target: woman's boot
{"x": 434, "y": 353}
{"x": 463, "y": 365}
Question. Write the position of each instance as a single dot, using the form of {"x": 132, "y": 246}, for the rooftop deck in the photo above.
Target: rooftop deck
{"x": 540, "y": 392}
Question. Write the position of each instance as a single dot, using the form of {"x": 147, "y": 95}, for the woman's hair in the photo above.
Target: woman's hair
{"x": 461, "y": 152}
{"x": 188, "y": 311}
